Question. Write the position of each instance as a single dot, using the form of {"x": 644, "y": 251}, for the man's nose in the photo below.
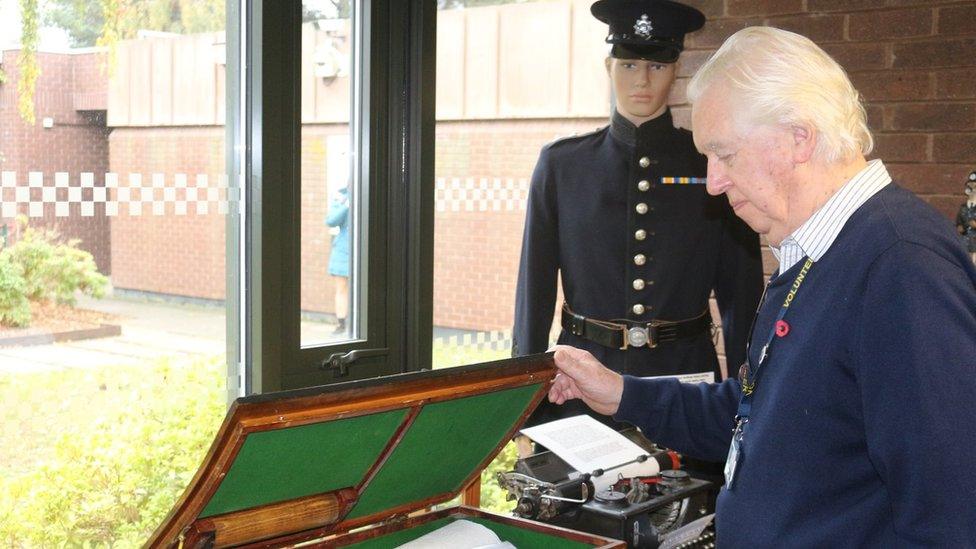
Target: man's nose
{"x": 718, "y": 181}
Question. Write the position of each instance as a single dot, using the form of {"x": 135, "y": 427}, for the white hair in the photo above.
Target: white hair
{"x": 780, "y": 77}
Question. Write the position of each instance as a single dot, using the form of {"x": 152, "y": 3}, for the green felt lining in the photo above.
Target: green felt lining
{"x": 445, "y": 444}
{"x": 284, "y": 464}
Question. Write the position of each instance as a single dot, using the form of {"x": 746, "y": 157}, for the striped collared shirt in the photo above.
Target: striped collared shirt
{"x": 814, "y": 237}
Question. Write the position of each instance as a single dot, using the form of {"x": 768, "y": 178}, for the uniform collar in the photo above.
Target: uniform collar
{"x": 625, "y": 131}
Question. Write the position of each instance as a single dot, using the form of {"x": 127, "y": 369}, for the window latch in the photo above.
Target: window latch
{"x": 339, "y": 362}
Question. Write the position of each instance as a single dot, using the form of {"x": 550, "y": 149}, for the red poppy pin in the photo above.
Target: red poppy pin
{"x": 782, "y": 328}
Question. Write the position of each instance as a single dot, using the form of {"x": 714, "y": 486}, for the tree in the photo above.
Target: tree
{"x": 94, "y": 22}
{"x": 123, "y": 19}
{"x": 27, "y": 63}
{"x": 81, "y": 19}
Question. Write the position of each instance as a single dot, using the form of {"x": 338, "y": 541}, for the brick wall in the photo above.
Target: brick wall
{"x": 169, "y": 253}
{"x": 477, "y": 243}
{"x": 185, "y": 254}
{"x": 75, "y": 144}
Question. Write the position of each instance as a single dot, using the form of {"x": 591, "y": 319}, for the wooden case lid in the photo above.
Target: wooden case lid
{"x": 297, "y": 465}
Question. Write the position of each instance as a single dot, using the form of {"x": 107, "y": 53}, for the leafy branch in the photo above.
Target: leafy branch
{"x": 29, "y": 70}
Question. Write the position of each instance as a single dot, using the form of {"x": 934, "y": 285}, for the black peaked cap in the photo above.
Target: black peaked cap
{"x": 647, "y": 29}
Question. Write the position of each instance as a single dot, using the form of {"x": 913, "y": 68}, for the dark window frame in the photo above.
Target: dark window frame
{"x": 397, "y": 163}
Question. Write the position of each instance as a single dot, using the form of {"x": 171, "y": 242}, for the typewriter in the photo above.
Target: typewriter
{"x": 672, "y": 509}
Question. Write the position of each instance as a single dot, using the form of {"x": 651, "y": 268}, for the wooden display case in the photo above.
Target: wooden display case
{"x": 360, "y": 464}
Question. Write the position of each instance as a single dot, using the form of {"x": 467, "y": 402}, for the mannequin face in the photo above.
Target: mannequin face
{"x": 640, "y": 87}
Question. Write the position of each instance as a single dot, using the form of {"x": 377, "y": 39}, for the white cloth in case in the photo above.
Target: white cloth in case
{"x": 460, "y": 534}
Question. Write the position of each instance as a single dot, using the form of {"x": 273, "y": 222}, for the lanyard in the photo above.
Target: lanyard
{"x": 751, "y": 375}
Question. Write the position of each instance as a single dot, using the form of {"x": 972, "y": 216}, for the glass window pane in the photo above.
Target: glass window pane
{"x": 497, "y": 106}
{"x": 113, "y": 207}
{"x": 330, "y": 183}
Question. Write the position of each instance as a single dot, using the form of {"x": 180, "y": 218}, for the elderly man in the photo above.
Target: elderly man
{"x": 853, "y": 422}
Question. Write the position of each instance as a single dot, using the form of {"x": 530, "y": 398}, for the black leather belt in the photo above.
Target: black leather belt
{"x": 623, "y": 334}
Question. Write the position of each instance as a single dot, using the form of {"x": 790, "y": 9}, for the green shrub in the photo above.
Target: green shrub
{"x": 54, "y": 269}
{"x": 111, "y": 481}
{"x": 14, "y": 307}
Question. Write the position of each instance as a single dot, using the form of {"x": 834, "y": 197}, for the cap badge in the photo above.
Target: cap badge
{"x": 643, "y": 27}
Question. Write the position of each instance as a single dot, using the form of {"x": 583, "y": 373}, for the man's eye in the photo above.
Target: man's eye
{"x": 629, "y": 65}
{"x": 657, "y": 67}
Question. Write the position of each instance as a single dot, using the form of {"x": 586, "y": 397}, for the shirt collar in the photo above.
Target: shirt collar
{"x": 814, "y": 237}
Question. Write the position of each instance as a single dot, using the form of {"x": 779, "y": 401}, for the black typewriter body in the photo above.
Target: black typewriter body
{"x": 640, "y": 511}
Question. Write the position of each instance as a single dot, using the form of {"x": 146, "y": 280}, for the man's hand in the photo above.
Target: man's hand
{"x": 582, "y": 376}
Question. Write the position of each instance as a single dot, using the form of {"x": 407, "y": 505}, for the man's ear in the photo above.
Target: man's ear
{"x": 606, "y": 63}
{"x": 804, "y": 142}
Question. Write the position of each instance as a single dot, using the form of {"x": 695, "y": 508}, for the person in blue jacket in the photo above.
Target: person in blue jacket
{"x": 339, "y": 259}
{"x": 853, "y": 423}
{"x": 622, "y": 216}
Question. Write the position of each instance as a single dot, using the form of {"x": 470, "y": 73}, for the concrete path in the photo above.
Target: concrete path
{"x": 150, "y": 330}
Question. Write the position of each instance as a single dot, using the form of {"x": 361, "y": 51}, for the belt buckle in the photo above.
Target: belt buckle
{"x": 576, "y": 326}
{"x": 641, "y": 336}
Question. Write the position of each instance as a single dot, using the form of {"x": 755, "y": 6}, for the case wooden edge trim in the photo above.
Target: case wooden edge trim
{"x": 227, "y": 443}
{"x": 284, "y": 417}
{"x": 388, "y": 450}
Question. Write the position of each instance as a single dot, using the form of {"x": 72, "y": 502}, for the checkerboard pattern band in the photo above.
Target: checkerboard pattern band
{"x": 480, "y": 194}
{"x": 456, "y": 350}
{"x": 158, "y": 194}
{"x": 134, "y": 195}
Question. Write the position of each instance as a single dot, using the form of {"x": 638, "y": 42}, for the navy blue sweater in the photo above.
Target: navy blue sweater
{"x": 863, "y": 427}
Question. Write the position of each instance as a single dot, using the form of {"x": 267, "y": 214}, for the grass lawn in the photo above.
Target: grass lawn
{"x": 96, "y": 458}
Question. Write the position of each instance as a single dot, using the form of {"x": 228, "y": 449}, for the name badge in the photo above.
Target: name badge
{"x": 735, "y": 450}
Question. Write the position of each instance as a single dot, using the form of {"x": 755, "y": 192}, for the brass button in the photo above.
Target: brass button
{"x": 638, "y": 284}
{"x": 641, "y": 208}
{"x": 641, "y": 234}
{"x": 639, "y": 259}
{"x": 643, "y": 185}
{"x": 644, "y": 162}
{"x": 638, "y": 309}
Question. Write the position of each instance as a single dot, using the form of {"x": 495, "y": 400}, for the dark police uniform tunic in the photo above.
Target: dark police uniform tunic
{"x": 631, "y": 247}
